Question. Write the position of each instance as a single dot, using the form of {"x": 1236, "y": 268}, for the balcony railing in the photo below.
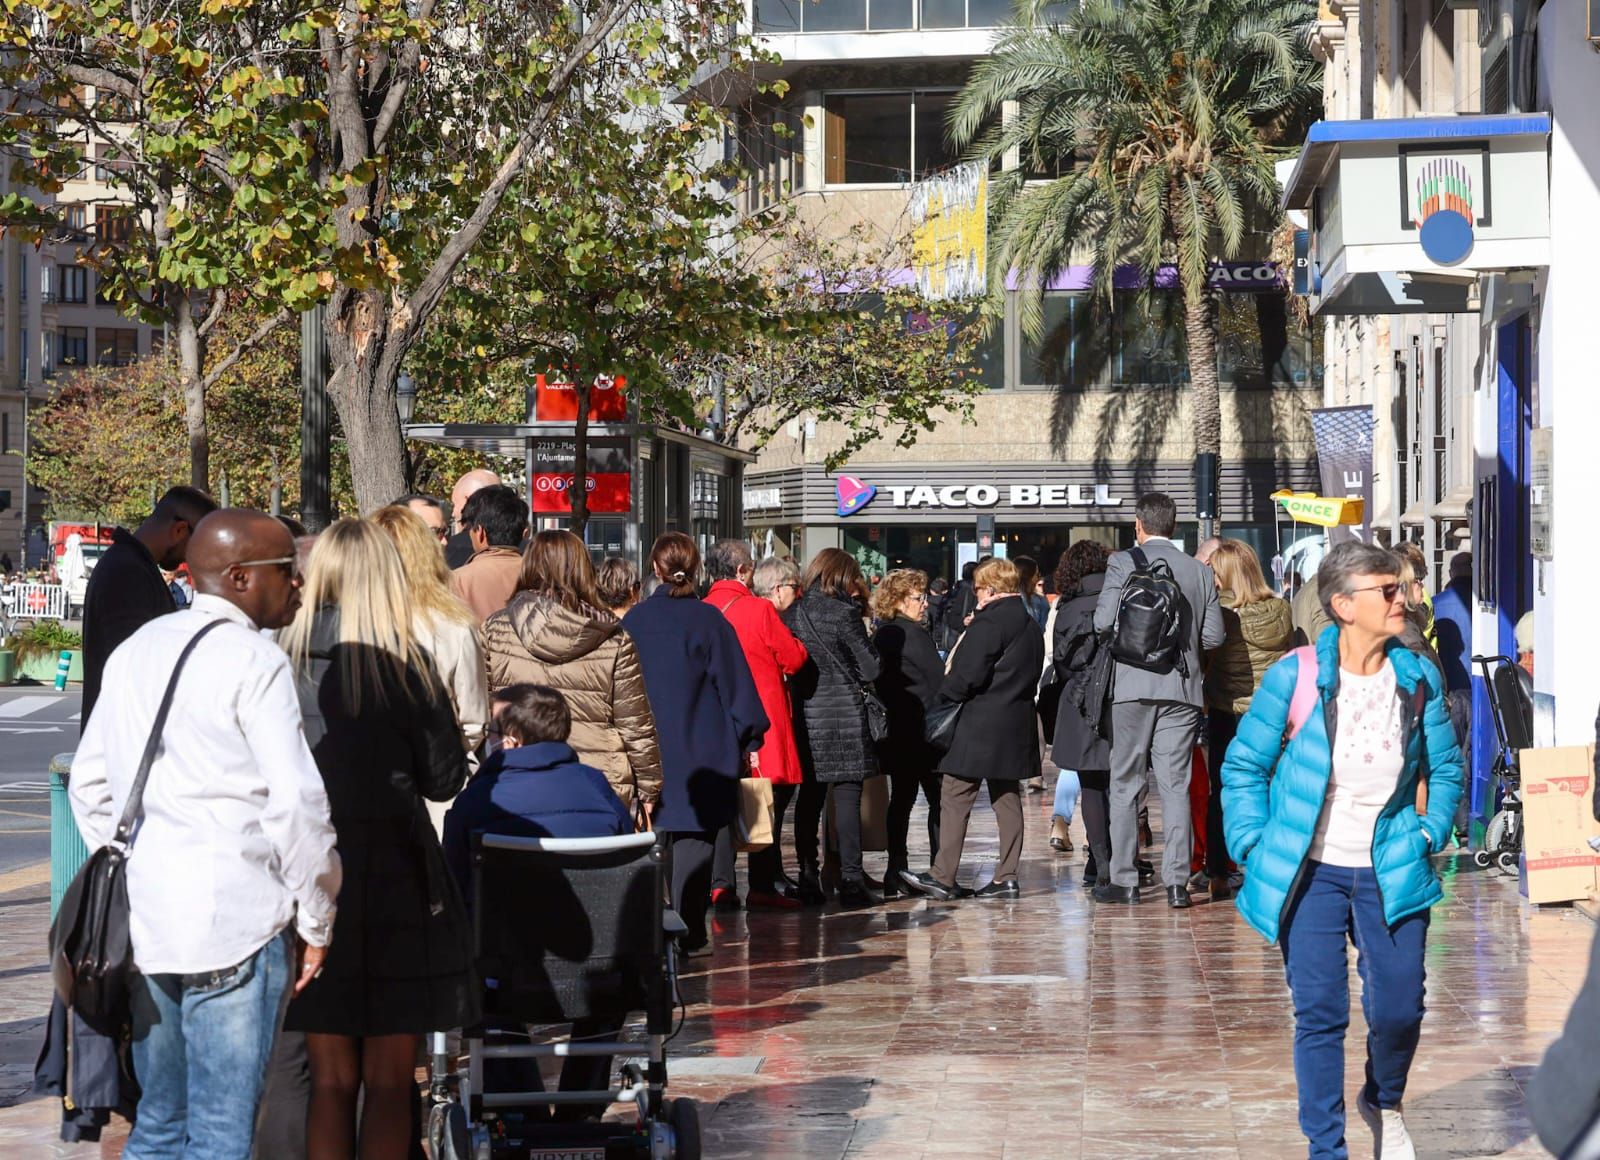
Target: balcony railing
{"x": 782, "y": 17}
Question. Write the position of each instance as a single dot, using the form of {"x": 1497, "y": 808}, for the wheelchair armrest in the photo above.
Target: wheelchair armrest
{"x": 671, "y": 923}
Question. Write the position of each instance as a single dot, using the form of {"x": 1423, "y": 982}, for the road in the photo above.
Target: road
{"x": 35, "y": 725}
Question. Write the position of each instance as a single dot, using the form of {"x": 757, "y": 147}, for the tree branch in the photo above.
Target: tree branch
{"x": 254, "y": 339}
{"x": 401, "y": 85}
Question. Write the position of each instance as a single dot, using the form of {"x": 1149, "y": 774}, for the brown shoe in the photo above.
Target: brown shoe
{"x": 1060, "y": 839}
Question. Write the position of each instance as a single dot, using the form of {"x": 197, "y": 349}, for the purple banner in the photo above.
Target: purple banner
{"x": 1233, "y": 277}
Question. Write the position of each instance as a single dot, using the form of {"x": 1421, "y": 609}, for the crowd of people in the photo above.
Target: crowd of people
{"x": 299, "y": 880}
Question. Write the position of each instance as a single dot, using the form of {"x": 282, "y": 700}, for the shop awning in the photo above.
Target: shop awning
{"x": 1406, "y": 214}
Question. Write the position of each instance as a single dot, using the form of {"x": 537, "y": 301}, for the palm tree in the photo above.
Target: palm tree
{"x": 1163, "y": 119}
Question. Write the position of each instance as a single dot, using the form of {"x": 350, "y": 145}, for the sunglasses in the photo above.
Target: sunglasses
{"x": 1389, "y": 591}
{"x": 285, "y": 562}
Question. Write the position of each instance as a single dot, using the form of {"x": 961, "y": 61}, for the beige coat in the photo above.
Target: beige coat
{"x": 458, "y": 658}
{"x": 591, "y": 660}
{"x": 487, "y": 582}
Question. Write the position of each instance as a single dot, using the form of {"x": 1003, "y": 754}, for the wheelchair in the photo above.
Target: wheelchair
{"x": 565, "y": 929}
{"x": 1511, "y": 706}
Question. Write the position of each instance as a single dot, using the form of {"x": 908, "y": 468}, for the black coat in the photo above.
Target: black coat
{"x": 830, "y": 721}
{"x": 126, "y": 592}
{"x": 707, "y": 711}
{"x": 994, "y": 672}
{"x": 401, "y": 957}
{"x": 1077, "y": 746}
{"x": 961, "y": 603}
{"x": 909, "y": 685}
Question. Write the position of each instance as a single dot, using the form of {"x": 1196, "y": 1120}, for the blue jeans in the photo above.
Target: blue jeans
{"x": 201, "y": 1044}
{"x": 1067, "y": 789}
{"x": 1335, "y": 904}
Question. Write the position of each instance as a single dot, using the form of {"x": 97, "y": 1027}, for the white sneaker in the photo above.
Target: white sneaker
{"x": 1390, "y": 1139}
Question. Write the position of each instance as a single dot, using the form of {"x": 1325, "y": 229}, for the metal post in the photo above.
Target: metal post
{"x": 315, "y": 487}
{"x": 27, "y": 396}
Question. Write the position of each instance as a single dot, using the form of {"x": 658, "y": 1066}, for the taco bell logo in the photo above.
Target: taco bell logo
{"x": 853, "y": 494}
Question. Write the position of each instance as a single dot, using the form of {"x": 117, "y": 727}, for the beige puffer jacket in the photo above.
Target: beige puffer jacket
{"x": 1259, "y": 634}
{"x": 591, "y": 660}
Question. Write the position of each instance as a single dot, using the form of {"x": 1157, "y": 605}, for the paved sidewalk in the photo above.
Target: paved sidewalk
{"x": 1043, "y": 1028}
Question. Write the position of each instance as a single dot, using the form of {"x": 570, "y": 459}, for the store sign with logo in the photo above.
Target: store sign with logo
{"x": 855, "y": 494}
{"x": 758, "y": 499}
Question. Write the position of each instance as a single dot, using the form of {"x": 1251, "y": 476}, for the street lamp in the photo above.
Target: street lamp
{"x": 405, "y": 397}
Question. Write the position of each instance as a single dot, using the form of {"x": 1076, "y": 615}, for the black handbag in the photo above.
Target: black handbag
{"x": 939, "y": 725}
{"x": 91, "y": 950}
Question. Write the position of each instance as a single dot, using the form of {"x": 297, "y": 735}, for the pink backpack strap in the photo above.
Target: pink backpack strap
{"x": 1306, "y": 695}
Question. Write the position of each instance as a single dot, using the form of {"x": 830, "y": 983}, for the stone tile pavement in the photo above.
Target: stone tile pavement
{"x": 1042, "y": 1028}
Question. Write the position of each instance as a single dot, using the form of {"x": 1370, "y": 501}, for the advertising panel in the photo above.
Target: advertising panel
{"x": 1344, "y": 454}
{"x": 608, "y": 484}
{"x": 555, "y": 400}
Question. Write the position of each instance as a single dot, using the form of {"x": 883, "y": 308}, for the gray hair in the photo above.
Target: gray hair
{"x": 727, "y": 558}
{"x": 1344, "y": 563}
{"x": 771, "y": 572}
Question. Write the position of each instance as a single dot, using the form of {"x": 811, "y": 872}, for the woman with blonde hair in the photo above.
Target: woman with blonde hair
{"x": 557, "y": 632}
{"x": 1260, "y": 630}
{"x": 385, "y": 739}
{"x": 992, "y": 674}
{"x": 443, "y": 625}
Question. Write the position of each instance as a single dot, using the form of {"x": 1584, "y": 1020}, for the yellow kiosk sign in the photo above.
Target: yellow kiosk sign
{"x": 1325, "y": 511}
{"x": 950, "y": 233}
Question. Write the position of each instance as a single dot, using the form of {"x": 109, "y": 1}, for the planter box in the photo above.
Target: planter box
{"x": 8, "y": 666}
{"x": 43, "y": 668}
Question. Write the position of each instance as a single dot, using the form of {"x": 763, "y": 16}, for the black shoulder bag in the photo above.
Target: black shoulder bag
{"x": 91, "y": 950}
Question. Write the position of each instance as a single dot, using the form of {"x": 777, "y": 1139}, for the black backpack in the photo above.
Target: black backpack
{"x": 1149, "y": 630}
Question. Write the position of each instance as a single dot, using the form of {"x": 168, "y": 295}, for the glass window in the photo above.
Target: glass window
{"x": 1149, "y": 342}
{"x": 74, "y": 283}
{"x": 988, "y": 13}
{"x": 889, "y": 14}
{"x": 115, "y": 348}
{"x": 933, "y": 151}
{"x": 868, "y": 138}
{"x": 1259, "y": 345}
{"x": 835, "y": 15}
{"x": 1075, "y": 346}
{"x": 113, "y": 225}
{"x": 778, "y": 15}
{"x": 72, "y": 346}
{"x": 944, "y": 13}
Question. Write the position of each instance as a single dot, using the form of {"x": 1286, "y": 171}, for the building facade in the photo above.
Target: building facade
{"x": 54, "y": 318}
{"x": 1068, "y": 432}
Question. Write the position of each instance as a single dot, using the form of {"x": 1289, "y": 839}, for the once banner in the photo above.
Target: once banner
{"x": 1344, "y": 455}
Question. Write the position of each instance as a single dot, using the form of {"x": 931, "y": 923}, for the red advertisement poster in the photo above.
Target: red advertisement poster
{"x": 556, "y": 401}
{"x": 609, "y": 481}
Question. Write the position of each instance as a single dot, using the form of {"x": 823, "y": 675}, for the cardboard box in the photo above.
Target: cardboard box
{"x": 1557, "y": 802}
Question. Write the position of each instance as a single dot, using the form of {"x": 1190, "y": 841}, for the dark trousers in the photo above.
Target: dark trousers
{"x": 1094, "y": 803}
{"x": 689, "y": 868}
{"x": 766, "y": 866}
{"x": 1221, "y": 727}
{"x": 903, "y": 789}
{"x": 812, "y": 800}
{"x": 281, "y": 1126}
{"x": 955, "y": 807}
{"x": 1336, "y": 905}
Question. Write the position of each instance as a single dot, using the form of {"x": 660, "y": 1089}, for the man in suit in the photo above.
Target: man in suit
{"x": 1156, "y": 716}
{"x": 458, "y": 549}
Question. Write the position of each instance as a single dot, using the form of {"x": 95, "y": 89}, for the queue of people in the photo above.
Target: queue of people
{"x": 359, "y": 684}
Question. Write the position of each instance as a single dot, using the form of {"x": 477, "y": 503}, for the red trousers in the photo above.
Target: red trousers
{"x": 1199, "y": 802}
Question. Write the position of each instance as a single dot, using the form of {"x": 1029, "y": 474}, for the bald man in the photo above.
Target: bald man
{"x": 458, "y": 548}
{"x": 232, "y": 873}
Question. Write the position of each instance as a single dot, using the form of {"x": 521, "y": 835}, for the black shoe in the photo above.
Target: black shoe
{"x": 1007, "y": 889}
{"x": 893, "y": 887}
{"x": 1128, "y": 895}
{"x": 1198, "y": 882}
{"x": 1090, "y": 876}
{"x": 1147, "y": 872}
{"x": 854, "y": 895}
{"x": 1146, "y": 838}
{"x": 1178, "y": 897}
{"x": 926, "y": 883}
{"x": 1220, "y": 890}
{"x": 810, "y": 886}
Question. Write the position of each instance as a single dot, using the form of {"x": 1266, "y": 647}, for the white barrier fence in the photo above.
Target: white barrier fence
{"x": 35, "y": 601}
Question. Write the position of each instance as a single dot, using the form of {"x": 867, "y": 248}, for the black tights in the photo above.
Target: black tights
{"x": 1095, "y": 806}
{"x": 903, "y": 789}
{"x": 808, "y": 810}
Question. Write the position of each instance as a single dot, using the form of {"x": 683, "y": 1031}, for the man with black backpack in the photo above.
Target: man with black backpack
{"x": 1160, "y": 608}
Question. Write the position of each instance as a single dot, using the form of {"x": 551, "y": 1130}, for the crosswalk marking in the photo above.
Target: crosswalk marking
{"x": 23, "y": 706}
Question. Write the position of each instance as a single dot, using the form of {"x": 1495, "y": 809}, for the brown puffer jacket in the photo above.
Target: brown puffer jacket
{"x": 1259, "y": 634}
{"x": 591, "y": 660}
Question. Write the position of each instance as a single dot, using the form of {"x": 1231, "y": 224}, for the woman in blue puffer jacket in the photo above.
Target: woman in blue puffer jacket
{"x": 1327, "y": 830}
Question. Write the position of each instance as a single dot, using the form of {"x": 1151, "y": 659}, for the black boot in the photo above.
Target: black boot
{"x": 810, "y": 885}
{"x": 892, "y": 886}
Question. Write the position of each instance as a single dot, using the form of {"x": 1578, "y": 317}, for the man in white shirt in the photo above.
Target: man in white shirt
{"x": 234, "y": 845}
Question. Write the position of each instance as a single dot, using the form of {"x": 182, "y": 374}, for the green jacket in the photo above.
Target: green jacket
{"x": 1259, "y": 634}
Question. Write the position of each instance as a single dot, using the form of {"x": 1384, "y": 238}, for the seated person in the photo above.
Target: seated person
{"x": 534, "y": 786}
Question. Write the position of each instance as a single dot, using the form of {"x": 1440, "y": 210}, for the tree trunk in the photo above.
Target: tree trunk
{"x": 1200, "y": 335}
{"x": 361, "y": 378}
{"x": 582, "y": 388}
{"x": 191, "y": 368}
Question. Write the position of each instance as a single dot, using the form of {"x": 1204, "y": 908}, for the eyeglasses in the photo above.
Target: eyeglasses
{"x": 922, "y": 596}
{"x": 285, "y": 562}
{"x": 788, "y": 584}
{"x": 1389, "y": 591}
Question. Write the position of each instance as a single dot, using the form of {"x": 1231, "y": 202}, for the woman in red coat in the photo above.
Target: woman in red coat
{"x": 773, "y": 654}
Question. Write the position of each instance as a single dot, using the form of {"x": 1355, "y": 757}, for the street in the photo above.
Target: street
{"x": 35, "y": 724}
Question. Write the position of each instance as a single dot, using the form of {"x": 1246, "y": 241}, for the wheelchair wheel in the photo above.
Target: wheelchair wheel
{"x": 1495, "y": 834}
{"x": 1482, "y": 858}
{"x": 1507, "y": 861}
{"x": 685, "y": 1120}
{"x": 448, "y": 1135}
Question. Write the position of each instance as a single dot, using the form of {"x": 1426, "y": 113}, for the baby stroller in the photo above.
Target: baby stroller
{"x": 1511, "y": 706}
{"x": 566, "y": 929}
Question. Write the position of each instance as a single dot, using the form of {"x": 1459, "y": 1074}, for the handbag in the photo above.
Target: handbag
{"x": 752, "y": 826}
{"x": 91, "y": 949}
{"x": 940, "y": 725}
{"x": 876, "y": 711}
